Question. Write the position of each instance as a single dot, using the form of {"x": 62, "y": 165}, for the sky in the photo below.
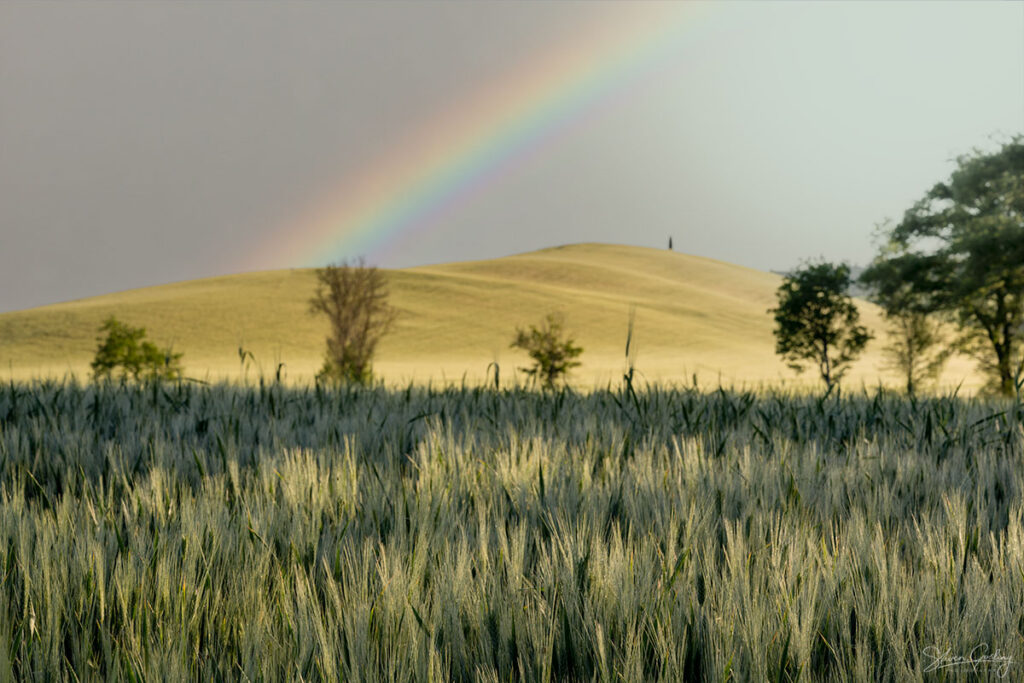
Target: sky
{"x": 145, "y": 143}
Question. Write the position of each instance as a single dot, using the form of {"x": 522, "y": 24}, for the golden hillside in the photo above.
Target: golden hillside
{"x": 693, "y": 315}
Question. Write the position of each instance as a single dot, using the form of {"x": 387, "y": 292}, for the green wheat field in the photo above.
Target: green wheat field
{"x": 269, "y": 532}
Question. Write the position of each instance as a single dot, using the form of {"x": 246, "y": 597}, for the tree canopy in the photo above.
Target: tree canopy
{"x": 354, "y": 298}
{"x": 552, "y": 351}
{"x": 959, "y": 251}
{"x": 916, "y": 334}
{"x": 125, "y": 349}
{"x": 817, "y": 322}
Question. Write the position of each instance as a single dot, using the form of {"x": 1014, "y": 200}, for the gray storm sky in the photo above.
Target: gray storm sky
{"x": 143, "y": 143}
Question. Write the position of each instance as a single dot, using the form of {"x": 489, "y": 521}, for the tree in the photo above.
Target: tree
{"x": 816, "y": 321}
{"x": 552, "y": 352}
{"x": 125, "y": 348}
{"x": 354, "y": 298}
{"x": 915, "y": 349}
{"x": 960, "y": 251}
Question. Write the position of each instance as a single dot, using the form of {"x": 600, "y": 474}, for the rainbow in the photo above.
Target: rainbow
{"x": 469, "y": 147}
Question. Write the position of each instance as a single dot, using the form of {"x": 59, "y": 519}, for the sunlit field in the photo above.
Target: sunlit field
{"x": 273, "y": 533}
{"x": 692, "y": 315}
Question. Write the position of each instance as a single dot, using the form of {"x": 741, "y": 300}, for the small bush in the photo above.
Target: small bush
{"x": 553, "y": 354}
{"x": 125, "y": 349}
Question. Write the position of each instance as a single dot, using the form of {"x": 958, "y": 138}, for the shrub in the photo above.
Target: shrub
{"x": 553, "y": 354}
{"x": 126, "y": 350}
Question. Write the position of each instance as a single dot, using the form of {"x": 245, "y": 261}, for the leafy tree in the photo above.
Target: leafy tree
{"x": 816, "y": 321}
{"x": 126, "y": 350}
{"x": 915, "y": 348}
{"x": 552, "y": 352}
{"x": 960, "y": 251}
{"x": 354, "y": 298}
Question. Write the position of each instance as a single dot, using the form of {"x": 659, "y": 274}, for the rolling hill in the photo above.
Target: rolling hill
{"x": 693, "y": 315}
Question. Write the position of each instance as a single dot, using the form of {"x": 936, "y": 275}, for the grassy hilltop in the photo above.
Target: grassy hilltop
{"x": 693, "y": 315}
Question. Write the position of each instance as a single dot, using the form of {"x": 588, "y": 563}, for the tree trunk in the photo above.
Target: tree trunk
{"x": 826, "y": 367}
{"x": 1007, "y": 387}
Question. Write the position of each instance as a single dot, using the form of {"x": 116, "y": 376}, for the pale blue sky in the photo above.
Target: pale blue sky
{"x": 143, "y": 143}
